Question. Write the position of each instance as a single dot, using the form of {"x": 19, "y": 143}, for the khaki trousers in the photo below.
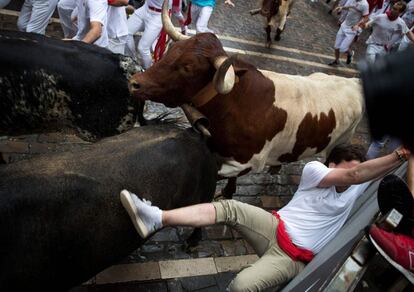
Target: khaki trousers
{"x": 258, "y": 228}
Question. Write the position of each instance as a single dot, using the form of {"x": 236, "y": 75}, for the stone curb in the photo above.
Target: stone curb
{"x": 172, "y": 269}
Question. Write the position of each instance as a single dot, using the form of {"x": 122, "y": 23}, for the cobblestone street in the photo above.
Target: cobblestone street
{"x": 165, "y": 262}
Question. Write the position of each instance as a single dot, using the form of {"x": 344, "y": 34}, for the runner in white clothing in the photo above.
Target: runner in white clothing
{"x": 35, "y": 15}
{"x": 357, "y": 10}
{"x": 387, "y": 29}
{"x": 408, "y": 18}
{"x": 201, "y": 11}
{"x": 65, "y": 9}
{"x": 92, "y": 22}
{"x": 117, "y": 26}
{"x": 147, "y": 18}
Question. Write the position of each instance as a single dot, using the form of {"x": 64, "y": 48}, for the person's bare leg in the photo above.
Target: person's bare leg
{"x": 195, "y": 216}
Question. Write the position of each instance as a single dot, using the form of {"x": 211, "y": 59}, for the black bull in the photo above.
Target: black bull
{"x": 49, "y": 84}
{"x": 61, "y": 221}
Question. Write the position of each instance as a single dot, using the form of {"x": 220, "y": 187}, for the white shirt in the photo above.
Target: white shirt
{"x": 315, "y": 215}
{"x": 92, "y": 10}
{"x": 385, "y": 31}
{"x": 156, "y": 3}
{"x": 408, "y": 16}
{"x": 117, "y": 22}
{"x": 355, "y": 14}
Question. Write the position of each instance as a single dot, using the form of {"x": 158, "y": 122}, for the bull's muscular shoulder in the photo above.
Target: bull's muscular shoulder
{"x": 323, "y": 109}
{"x": 242, "y": 121}
{"x": 294, "y": 115}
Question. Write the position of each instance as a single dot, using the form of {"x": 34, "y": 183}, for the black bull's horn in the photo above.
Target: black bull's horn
{"x": 199, "y": 122}
{"x": 223, "y": 81}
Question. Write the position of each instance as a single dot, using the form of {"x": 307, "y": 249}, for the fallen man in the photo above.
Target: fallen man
{"x": 285, "y": 241}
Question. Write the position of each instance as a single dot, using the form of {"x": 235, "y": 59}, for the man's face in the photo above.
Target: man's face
{"x": 396, "y": 10}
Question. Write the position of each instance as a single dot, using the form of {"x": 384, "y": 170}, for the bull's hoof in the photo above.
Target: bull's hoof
{"x": 268, "y": 44}
{"x": 2, "y": 160}
{"x": 274, "y": 170}
{"x": 194, "y": 238}
{"x": 220, "y": 196}
{"x": 278, "y": 33}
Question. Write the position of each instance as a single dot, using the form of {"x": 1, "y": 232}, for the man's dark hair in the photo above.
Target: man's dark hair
{"x": 346, "y": 152}
{"x": 402, "y": 5}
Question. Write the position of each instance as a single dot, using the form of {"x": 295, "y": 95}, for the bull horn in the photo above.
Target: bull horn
{"x": 168, "y": 26}
{"x": 224, "y": 78}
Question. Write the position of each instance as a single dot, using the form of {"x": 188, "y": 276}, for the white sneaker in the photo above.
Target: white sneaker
{"x": 146, "y": 218}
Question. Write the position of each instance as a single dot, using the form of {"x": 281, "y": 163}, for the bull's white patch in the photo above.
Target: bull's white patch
{"x": 316, "y": 94}
{"x": 231, "y": 168}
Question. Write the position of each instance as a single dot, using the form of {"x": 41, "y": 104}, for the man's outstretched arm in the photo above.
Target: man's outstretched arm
{"x": 365, "y": 171}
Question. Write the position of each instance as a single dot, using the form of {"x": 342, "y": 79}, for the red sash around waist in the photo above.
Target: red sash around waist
{"x": 159, "y": 10}
{"x": 286, "y": 244}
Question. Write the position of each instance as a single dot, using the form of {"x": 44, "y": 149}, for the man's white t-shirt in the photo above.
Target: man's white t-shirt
{"x": 92, "y": 10}
{"x": 117, "y": 22}
{"x": 408, "y": 15}
{"x": 385, "y": 31}
{"x": 315, "y": 215}
{"x": 354, "y": 15}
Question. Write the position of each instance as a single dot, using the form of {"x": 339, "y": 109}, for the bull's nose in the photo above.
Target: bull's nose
{"x": 133, "y": 85}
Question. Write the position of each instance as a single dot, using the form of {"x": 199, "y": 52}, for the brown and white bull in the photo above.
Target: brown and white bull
{"x": 257, "y": 117}
{"x": 275, "y": 13}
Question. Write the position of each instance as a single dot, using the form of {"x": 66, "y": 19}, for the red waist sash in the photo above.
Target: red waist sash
{"x": 286, "y": 244}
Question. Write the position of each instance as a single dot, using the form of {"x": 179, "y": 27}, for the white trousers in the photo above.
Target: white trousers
{"x": 117, "y": 45}
{"x": 65, "y": 9}
{"x": 35, "y": 15}
{"x": 4, "y": 3}
{"x": 344, "y": 39}
{"x": 373, "y": 51}
{"x": 200, "y": 16}
{"x": 405, "y": 42}
{"x": 150, "y": 23}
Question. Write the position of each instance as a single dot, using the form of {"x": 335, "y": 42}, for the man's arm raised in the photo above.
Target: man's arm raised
{"x": 365, "y": 171}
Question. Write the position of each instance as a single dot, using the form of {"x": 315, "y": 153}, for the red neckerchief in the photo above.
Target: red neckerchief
{"x": 286, "y": 244}
{"x": 188, "y": 20}
{"x": 375, "y": 3}
{"x": 390, "y": 17}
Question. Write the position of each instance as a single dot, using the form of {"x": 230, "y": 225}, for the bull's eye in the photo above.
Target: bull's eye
{"x": 188, "y": 68}
{"x": 135, "y": 85}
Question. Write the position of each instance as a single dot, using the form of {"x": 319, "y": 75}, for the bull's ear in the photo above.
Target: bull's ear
{"x": 240, "y": 67}
{"x": 239, "y": 71}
